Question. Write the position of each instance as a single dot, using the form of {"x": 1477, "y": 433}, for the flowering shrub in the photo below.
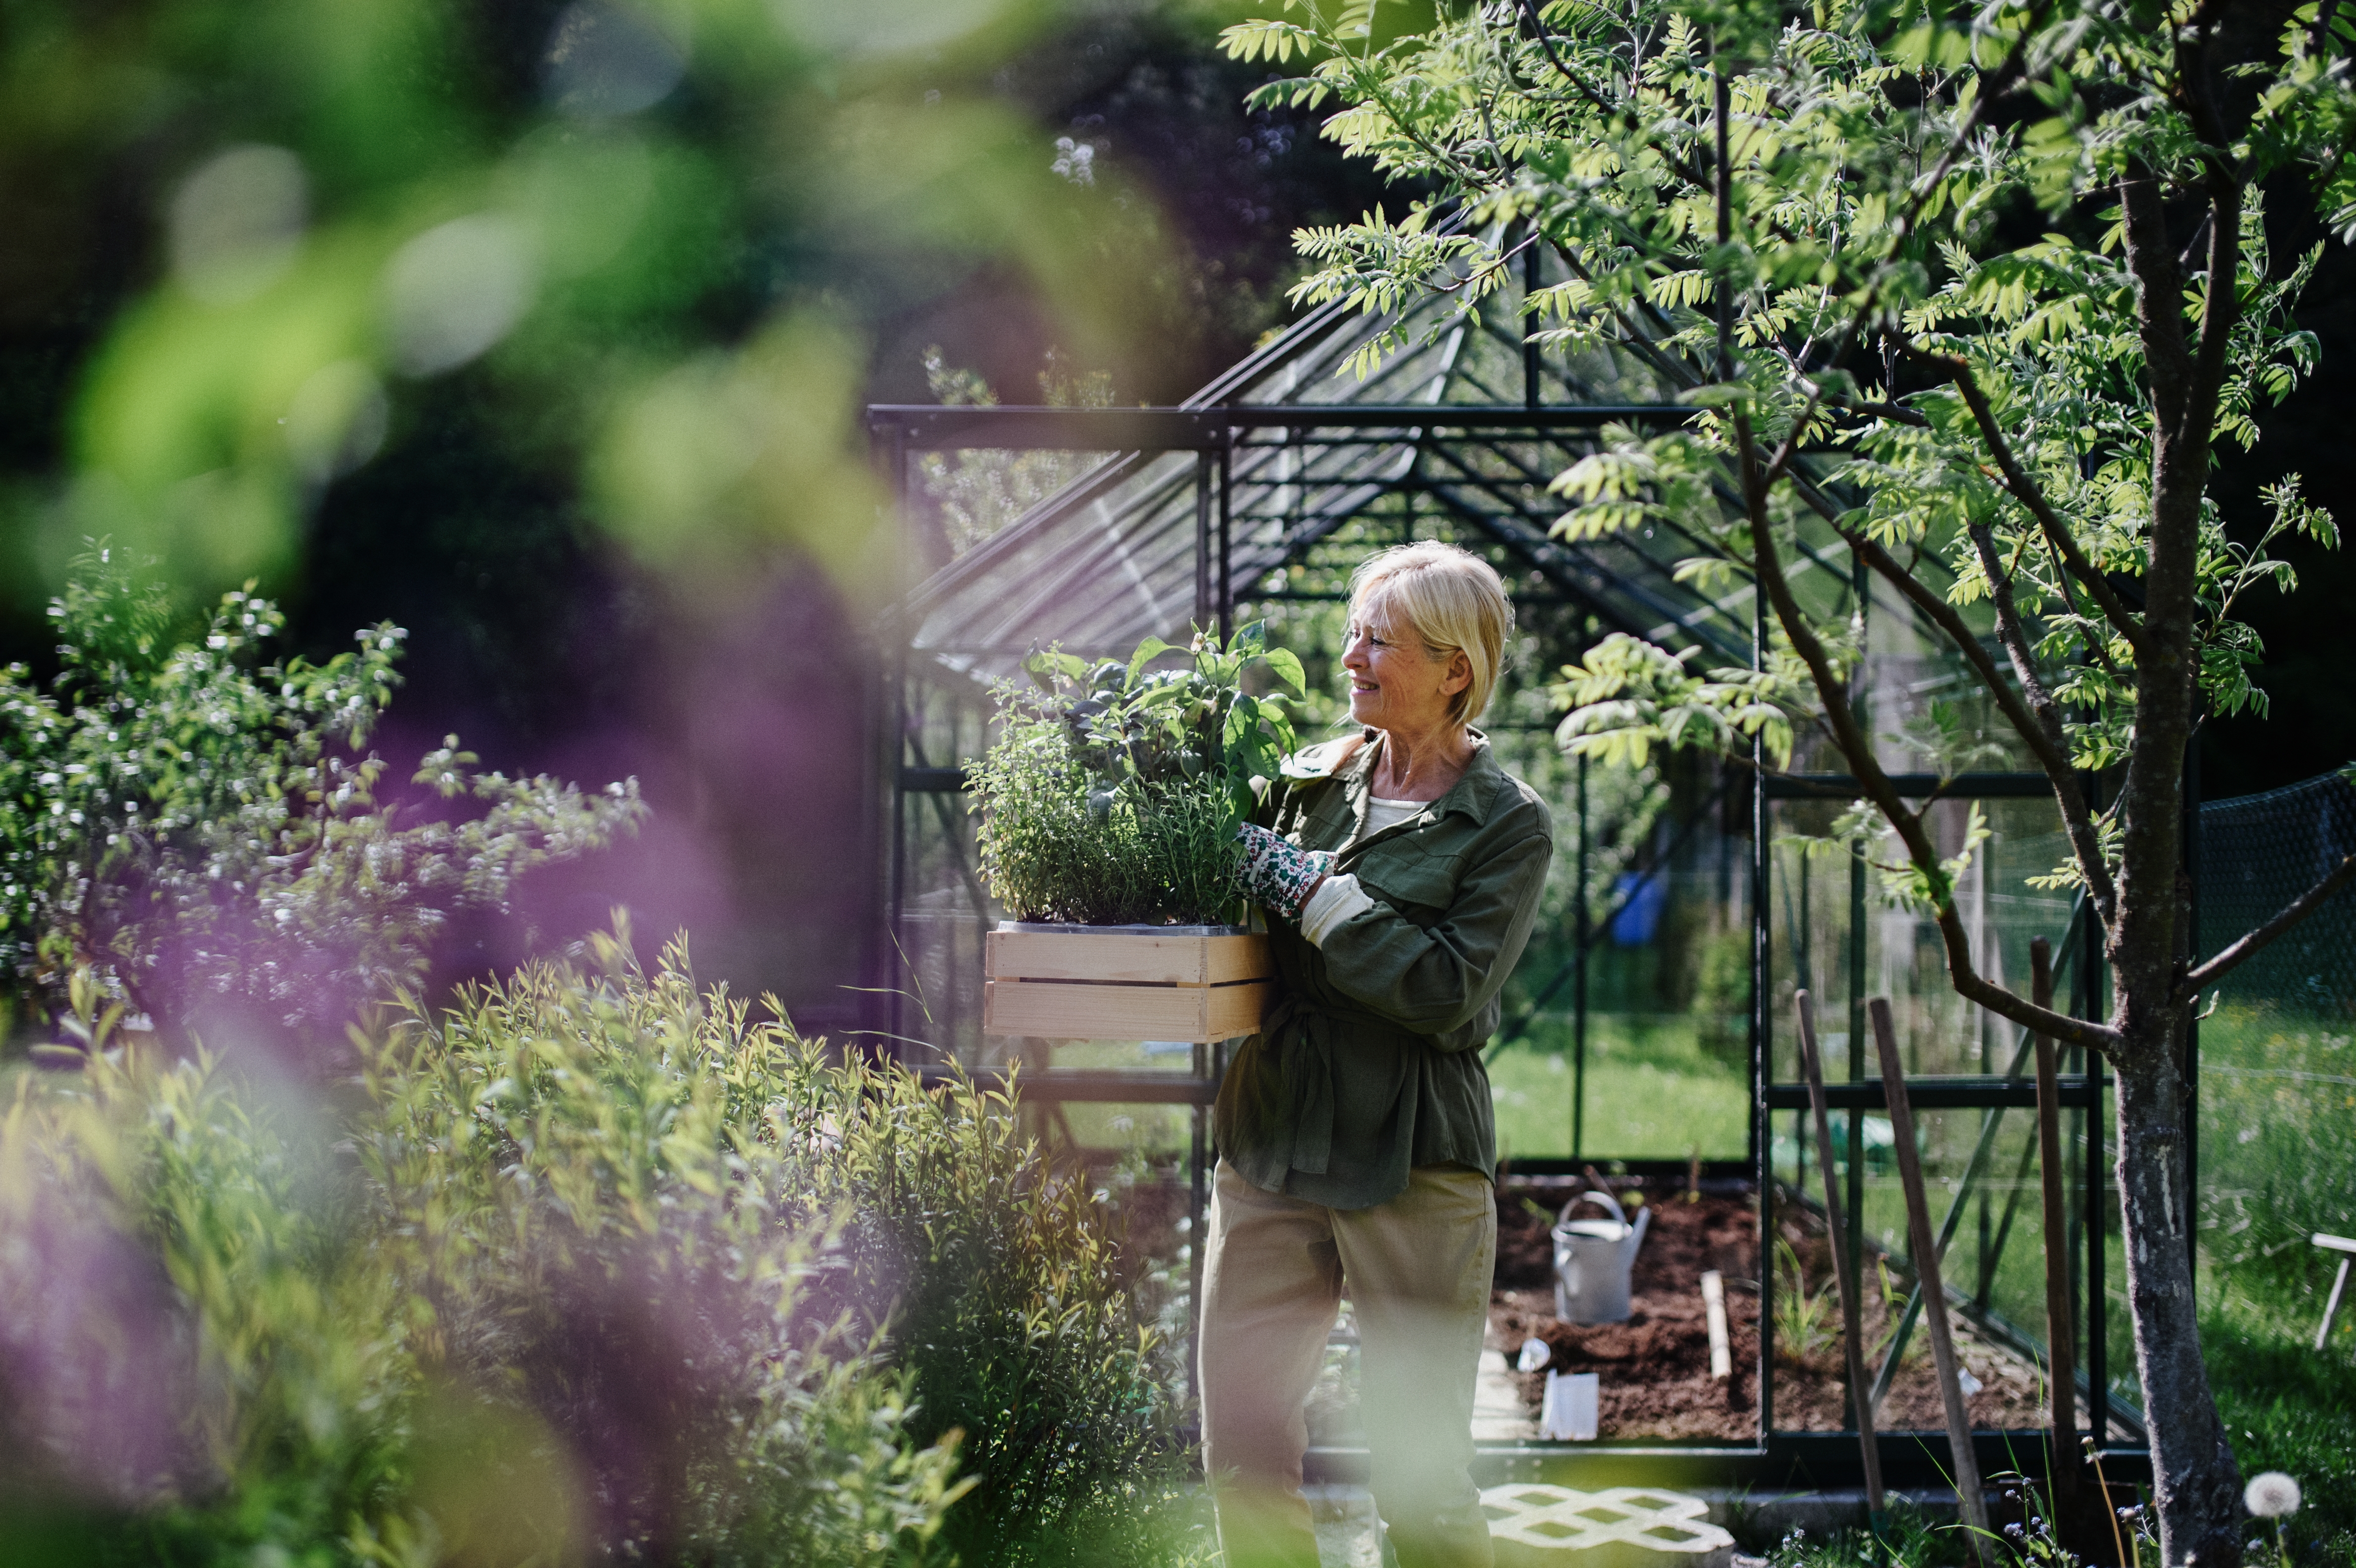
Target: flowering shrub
{"x": 202, "y": 830}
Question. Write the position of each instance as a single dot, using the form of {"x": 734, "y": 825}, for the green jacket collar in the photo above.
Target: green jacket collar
{"x": 1353, "y": 765}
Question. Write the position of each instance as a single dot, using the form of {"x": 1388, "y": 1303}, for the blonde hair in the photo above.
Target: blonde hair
{"x": 1451, "y": 599}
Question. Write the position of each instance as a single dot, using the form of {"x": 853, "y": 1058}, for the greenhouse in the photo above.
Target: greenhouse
{"x": 1650, "y": 1027}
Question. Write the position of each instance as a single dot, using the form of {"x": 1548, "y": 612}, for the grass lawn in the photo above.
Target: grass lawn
{"x": 1652, "y": 1092}
{"x": 2288, "y": 1408}
{"x": 2279, "y": 1163}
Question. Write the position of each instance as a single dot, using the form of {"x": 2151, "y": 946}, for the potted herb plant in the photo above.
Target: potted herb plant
{"x": 1110, "y": 805}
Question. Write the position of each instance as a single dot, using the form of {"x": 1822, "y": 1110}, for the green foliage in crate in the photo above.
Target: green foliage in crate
{"x": 1112, "y": 795}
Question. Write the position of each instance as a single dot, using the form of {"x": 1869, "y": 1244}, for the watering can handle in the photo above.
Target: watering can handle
{"x": 1592, "y": 1195}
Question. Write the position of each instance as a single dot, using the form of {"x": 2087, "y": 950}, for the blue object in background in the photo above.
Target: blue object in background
{"x": 1634, "y": 924}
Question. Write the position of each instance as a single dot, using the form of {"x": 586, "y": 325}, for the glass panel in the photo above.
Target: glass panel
{"x": 1835, "y": 934}
{"x": 944, "y": 908}
{"x": 1666, "y": 1041}
{"x": 1983, "y": 1179}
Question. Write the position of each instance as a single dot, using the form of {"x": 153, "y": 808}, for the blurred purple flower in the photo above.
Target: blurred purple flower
{"x": 96, "y": 1366}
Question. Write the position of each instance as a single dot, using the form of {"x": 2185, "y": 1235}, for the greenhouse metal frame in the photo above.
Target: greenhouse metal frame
{"x": 1188, "y": 514}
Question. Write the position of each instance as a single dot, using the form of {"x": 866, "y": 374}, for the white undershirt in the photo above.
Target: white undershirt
{"x": 1340, "y": 897}
{"x": 1382, "y": 814}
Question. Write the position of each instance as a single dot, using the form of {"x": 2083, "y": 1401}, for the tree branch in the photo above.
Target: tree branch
{"x": 1866, "y": 768}
{"x": 2319, "y": 37}
{"x": 2032, "y": 495}
{"x": 2186, "y": 380}
{"x": 2222, "y": 308}
{"x": 2045, "y": 742}
{"x": 2085, "y": 843}
{"x": 2299, "y": 909}
{"x": 2160, "y": 306}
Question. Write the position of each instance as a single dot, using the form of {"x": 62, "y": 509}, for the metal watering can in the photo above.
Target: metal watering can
{"x": 1592, "y": 1259}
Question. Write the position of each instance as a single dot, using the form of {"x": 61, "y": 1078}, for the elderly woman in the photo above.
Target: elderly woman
{"x": 1356, "y": 1150}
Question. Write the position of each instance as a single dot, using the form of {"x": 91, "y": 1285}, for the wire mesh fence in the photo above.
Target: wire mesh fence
{"x": 2277, "y": 1062}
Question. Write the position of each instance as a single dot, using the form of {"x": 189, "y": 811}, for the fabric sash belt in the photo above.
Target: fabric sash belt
{"x": 1300, "y": 1038}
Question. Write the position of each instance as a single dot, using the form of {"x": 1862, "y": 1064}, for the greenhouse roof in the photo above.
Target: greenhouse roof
{"x": 1464, "y": 417}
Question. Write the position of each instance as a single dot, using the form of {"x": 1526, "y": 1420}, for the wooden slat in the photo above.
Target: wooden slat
{"x": 1136, "y": 957}
{"x": 1122, "y": 1012}
{"x": 1237, "y": 1009}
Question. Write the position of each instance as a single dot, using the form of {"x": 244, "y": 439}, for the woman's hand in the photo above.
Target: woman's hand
{"x": 1279, "y": 876}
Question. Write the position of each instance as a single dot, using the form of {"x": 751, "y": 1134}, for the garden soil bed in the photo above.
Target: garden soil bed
{"x": 1653, "y": 1368}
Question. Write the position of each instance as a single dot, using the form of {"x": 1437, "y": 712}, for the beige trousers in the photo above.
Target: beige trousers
{"x": 1417, "y": 1271}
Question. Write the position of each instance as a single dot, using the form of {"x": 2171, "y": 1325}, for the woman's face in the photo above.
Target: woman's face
{"x": 1395, "y": 681}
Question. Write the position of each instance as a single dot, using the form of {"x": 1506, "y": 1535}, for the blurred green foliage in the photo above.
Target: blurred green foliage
{"x": 481, "y": 1340}
{"x": 202, "y": 830}
{"x": 658, "y": 236}
{"x": 542, "y": 328}
{"x": 592, "y": 1266}
{"x": 355, "y": 203}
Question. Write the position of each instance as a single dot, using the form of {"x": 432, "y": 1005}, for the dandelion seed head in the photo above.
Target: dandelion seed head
{"x": 2271, "y": 1495}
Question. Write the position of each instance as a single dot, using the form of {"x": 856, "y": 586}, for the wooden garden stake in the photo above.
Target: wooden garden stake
{"x": 1713, "y": 1308}
{"x": 1926, "y": 1265}
{"x": 2061, "y": 1369}
{"x": 1852, "y": 1310}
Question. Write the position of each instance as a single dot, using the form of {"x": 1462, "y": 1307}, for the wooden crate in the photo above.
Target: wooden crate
{"x": 1131, "y": 983}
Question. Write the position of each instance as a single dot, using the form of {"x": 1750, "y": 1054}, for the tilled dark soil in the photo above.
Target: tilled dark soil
{"x": 1655, "y": 1367}
{"x": 1808, "y": 1394}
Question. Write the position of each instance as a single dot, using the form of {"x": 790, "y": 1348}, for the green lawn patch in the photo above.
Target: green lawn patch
{"x": 1653, "y": 1092}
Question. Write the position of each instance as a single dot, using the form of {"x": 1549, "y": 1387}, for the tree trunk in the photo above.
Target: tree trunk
{"x": 2197, "y": 1482}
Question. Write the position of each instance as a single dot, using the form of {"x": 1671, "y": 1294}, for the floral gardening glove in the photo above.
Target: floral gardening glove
{"x": 1276, "y": 875}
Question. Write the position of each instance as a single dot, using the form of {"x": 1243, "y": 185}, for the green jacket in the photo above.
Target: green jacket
{"x": 1369, "y": 1063}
